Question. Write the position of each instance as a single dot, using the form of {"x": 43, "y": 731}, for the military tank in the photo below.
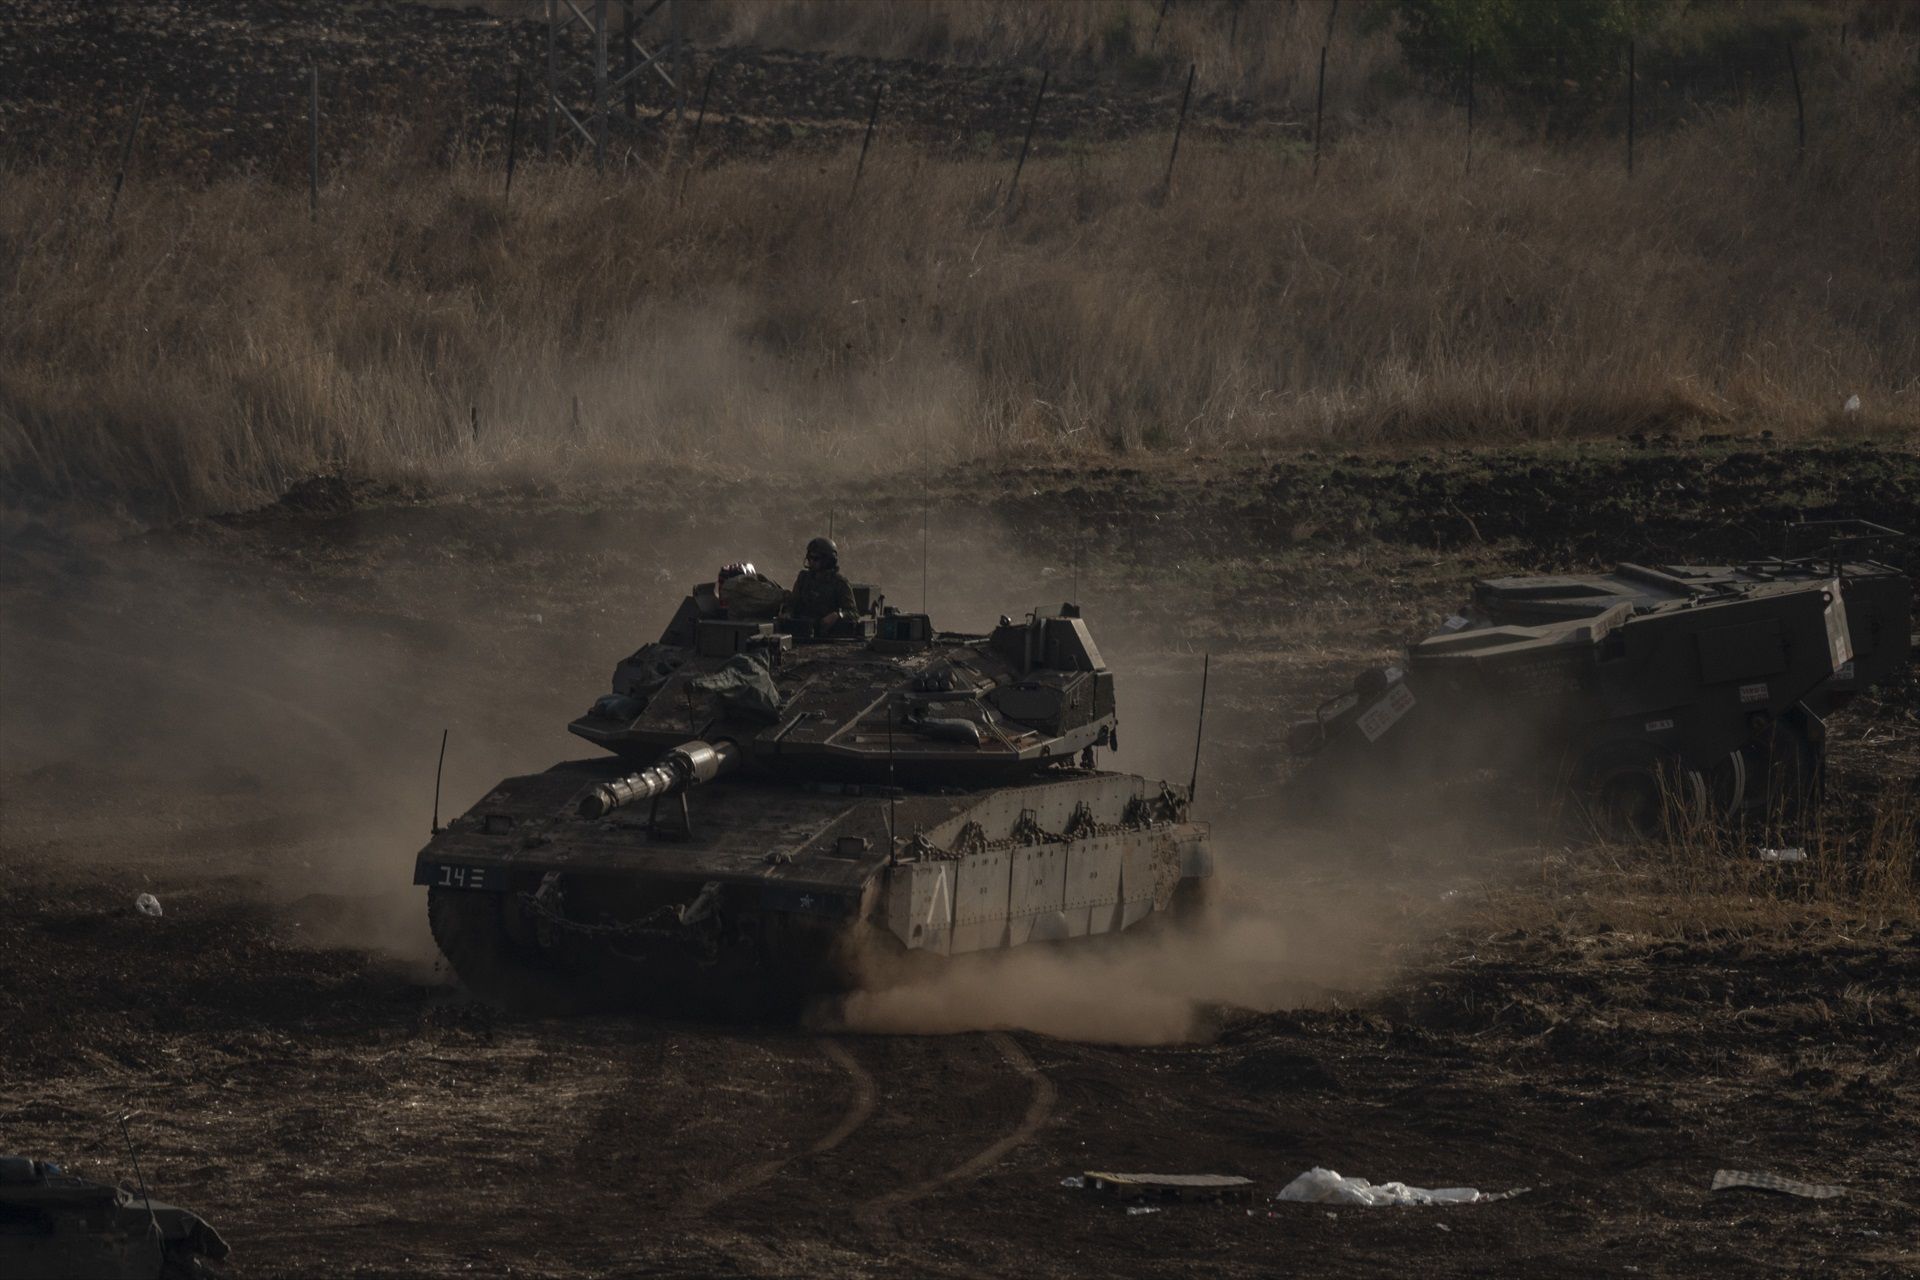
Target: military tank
{"x": 771, "y": 802}
{"x": 55, "y": 1226}
{"x": 1655, "y": 692}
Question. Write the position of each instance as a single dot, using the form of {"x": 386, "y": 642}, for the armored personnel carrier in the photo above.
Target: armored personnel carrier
{"x": 54, "y": 1226}
{"x": 770, "y": 801}
{"x": 1656, "y": 691}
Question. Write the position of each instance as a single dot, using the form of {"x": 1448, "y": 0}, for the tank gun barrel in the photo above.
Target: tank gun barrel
{"x": 688, "y": 765}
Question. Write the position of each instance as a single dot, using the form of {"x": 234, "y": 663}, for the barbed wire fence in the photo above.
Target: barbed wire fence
{"x": 632, "y": 125}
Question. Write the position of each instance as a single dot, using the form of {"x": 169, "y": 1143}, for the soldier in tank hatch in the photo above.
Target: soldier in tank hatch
{"x": 821, "y": 594}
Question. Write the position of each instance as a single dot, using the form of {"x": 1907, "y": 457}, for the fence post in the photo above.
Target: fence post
{"x": 679, "y": 38}
{"x": 553, "y": 77}
{"x": 1469, "y": 171}
{"x": 866, "y": 140}
{"x": 126, "y": 152}
{"x": 513, "y": 128}
{"x": 1630, "y": 78}
{"x": 699, "y": 119}
{"x": 313, "y": 142}
{"x": 1179, "y": 125}
{"x": 1320, "y": 85}
{"x": 1799, "y": 103}
{"x": 601, "y": 107}
{"x": 1026, "y": 142}
{"x": 1154, "y": 40}
{"x": 1319, "y": 102}
{"x": 626, "y": 53}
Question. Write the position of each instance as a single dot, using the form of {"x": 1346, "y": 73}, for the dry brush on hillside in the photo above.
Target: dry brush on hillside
{"x": 212, "y": 344}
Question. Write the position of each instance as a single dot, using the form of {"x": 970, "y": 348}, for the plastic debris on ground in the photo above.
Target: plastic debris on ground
{"x": 1135, "y": 1210}
{"x": 1325, "y": 1186}
{"x": 1795, "y": 854}
{"x": 1073, "y": 1180}
{"x": 1726, "y": 1179}
{"x": 147, "y": 904}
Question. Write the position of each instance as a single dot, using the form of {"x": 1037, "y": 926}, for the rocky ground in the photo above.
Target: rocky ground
{"x": 240, "y": 714}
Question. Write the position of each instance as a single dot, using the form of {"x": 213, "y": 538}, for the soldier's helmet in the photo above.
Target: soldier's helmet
{"x": 825, "y": 549}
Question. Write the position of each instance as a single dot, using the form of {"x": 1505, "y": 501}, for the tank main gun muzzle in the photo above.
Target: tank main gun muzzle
{"x": 687, "y": 765}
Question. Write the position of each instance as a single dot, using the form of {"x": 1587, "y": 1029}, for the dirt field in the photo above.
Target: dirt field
{"x": 240, "y": 715}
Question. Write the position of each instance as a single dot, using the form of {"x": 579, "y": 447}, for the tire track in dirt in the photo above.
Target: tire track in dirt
{"x": 873, "y": 1214}
{"x": 859, "y": 1110}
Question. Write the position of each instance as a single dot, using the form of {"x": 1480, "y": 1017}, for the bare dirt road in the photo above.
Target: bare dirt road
{"x": 239, "y": 716}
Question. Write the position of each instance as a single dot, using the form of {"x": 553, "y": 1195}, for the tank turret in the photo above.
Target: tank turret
{"x": 886, "y": 696}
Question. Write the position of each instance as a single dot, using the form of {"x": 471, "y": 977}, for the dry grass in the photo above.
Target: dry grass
{"x": 1861, "y": 871}
{"x": 211, "y": 345}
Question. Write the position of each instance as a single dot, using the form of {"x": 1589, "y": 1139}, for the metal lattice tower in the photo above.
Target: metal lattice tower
{"x": 581, "y": 91}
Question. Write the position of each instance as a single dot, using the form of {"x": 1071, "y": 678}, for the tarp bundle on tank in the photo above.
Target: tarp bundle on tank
{"x": 744, "y": 686}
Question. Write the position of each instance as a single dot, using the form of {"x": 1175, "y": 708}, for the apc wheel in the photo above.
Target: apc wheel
{"x": 483, "y": 938}
{"x": 1635, "y": 792}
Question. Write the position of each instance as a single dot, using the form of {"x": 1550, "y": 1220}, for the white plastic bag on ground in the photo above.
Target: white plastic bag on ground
{"x": 1324, "y": 1186}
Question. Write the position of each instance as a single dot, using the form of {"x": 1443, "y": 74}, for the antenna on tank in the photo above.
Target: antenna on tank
{"x": 893, "y": 792}
{"x": 923, "y": 552}
{"x": 1079, "y": 538}
{"x": 152, "y": 1222}
{"x": 1193, "y": 784}
{"x": 437, "y": 828}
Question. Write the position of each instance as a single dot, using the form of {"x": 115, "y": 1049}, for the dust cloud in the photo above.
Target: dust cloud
{"x": 713, "y": 384}
{"x": 204, "y": 729}
{"x": 1163, "y": 982}
{"x": 257, "y": 712}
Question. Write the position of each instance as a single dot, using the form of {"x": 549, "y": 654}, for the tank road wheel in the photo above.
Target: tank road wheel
{"x": 1634, "y": 792}
{"x": 491, "y": 949}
